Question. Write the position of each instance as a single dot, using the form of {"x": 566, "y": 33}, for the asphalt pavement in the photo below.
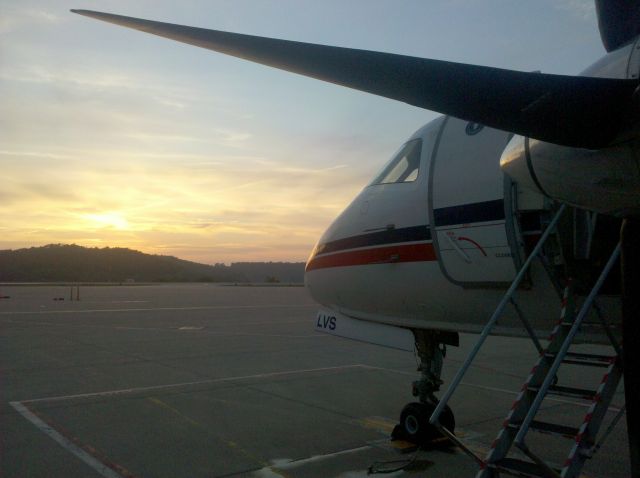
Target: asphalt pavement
{"x": 204, "y": 380}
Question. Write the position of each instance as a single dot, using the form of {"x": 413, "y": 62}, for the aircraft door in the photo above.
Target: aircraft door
{"x": 467, "y": 205}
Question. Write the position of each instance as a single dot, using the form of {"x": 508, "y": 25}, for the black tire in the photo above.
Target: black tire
{"x": 447, "y": 419}
{"x": 414, "y": 422}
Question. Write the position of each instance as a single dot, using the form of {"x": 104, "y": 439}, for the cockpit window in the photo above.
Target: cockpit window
{"x": 404, "y": 167}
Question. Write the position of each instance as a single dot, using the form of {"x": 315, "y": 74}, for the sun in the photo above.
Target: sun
{"x": 112, "y": 220}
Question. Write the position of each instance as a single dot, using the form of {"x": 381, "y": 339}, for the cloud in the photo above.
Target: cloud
{"x": 15, "y": 18}
{"x": 231, "y": 136}
{"x": 31, "y": 73}
{"x": 132, "y": 156}
{"x": 48, "y": 191}
{"x": 227, "y": 203}
{"x": 35, "y": 154}
{"x": 90, "y": 79}
{"x": 583, "y": 9}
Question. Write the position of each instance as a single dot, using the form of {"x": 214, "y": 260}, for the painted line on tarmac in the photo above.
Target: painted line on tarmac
{"x": 97, "y": 465}
{"x": 187, "y": 384}
{"x": 200, "y": 329}
{"x": 107, "y": 471}
{"x": 204, "y": 330}
{"x": 154, "y": 309}
{"x": 288, "y": 336}
{"x": 384, "y": 369}
{"x": 272, "y": 470}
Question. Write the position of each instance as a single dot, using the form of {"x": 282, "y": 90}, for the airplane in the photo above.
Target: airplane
{"x": 429, "y": 246}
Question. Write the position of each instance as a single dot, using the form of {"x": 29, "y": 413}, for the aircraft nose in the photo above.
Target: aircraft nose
{"x": 309, "y": 265}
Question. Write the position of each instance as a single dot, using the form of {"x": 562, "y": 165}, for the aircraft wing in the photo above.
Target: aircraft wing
{"x": 568, "y": 110}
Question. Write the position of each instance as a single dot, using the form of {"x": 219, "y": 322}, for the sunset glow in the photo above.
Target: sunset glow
{"x": 112, "y": 138}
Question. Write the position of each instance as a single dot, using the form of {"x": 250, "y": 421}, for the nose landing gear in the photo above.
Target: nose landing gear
{"x": 414, "y": 423}
{"x": 414, "y": 426}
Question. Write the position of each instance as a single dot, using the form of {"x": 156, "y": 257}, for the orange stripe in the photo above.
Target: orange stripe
{"x": 379, "y": 255}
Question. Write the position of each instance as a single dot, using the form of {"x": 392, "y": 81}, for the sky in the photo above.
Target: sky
{"x": 112, "y": 137}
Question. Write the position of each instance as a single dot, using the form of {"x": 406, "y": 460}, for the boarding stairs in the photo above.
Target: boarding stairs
{"x": 542, "y": 382}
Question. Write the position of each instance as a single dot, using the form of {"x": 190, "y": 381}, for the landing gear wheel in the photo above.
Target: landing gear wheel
{"x": 414, "y": 423}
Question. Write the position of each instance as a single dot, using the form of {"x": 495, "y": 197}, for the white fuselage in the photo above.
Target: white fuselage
{"x": 434, "y": 251}
{"x": 435, "y": 239}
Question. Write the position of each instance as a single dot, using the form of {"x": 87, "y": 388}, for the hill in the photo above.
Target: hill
{"x": 72, "y": 263}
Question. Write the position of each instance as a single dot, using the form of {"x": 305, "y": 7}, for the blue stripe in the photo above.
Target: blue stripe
{"x": 389, "y": 236}
{"x": 468, "y": 213}
{"x": 464, "y": 214}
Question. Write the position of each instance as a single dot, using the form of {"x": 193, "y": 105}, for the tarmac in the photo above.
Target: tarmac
{"x": 205, "y": 380}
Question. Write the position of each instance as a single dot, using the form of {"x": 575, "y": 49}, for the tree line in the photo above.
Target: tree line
{"x": 73, "y": 263}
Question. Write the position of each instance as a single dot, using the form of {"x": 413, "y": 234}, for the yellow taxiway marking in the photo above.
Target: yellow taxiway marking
{"x": 381, "y": 424}
{"x": 166, "y": 406}
{"x": 230, "y": 443}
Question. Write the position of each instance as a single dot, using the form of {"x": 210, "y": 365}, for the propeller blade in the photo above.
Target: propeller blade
{"x": 568, "y": 110}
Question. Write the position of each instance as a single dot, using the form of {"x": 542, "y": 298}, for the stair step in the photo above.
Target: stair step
{"x": 590, "y": 360}
{"x": 551, "y": 428}
{"x": 519, "y": 467}
{"x": 592, "y": 325}
{"x": 601, "y": 358}
{"x": 554, "y": 429}
{"x": 573, "y": 392}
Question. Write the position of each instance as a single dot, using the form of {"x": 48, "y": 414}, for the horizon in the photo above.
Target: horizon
{"x": 116, "y": 138}
{"x": 141, "y": 252}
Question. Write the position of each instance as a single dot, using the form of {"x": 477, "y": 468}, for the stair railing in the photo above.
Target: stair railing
{"x": 548, "y": 381}
{"x": 435, "y": 416}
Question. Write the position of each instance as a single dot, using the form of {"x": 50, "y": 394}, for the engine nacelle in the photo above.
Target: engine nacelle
{"x": 605, "y": 180}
